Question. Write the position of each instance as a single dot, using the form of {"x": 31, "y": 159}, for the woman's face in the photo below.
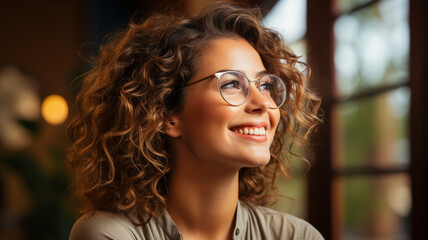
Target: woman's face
{"x": 209, "y": 127}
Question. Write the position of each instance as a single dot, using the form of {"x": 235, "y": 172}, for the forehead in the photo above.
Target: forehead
{"x": 229, "y": 53}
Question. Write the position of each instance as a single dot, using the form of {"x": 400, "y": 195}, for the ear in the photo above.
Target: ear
{"x": 174, "y": 126}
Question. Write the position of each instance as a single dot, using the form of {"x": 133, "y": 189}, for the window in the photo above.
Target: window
{"x": 363, "y": 176}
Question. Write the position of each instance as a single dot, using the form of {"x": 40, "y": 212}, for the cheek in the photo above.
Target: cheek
{"x": 208, "y": 119}
{"x": 206, "y": 113}
{"x": 274, "y": 115}
{"x": 205, "y": 132}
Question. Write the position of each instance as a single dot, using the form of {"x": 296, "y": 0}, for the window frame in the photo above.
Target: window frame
{"x": 320, "y": 38}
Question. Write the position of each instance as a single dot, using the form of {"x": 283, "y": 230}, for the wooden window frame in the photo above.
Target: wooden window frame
{"x": 320, "y": 38}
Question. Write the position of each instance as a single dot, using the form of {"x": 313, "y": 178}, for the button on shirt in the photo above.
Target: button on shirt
{"x": 252, "y": 222}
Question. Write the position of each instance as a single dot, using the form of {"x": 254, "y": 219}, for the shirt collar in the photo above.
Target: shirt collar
{"x": 172, "y": 231}
{"x": 240, "y": 221}
{"x": 169, "y": 227}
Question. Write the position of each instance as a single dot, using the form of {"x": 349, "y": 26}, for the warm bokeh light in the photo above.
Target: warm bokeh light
{"x": 54, "y": 109}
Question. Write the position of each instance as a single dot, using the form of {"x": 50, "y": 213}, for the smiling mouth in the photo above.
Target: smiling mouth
{"x": 254, "y": 134}
{"x": 251, "y": 131}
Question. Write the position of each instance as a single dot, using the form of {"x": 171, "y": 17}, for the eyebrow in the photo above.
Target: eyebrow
{"x": 259, "y": 74}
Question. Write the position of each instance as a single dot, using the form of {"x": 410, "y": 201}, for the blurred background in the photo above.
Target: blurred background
{"x": 368, "y": 170}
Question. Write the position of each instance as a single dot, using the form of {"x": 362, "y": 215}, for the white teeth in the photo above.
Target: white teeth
{"x": 251, "y": 131}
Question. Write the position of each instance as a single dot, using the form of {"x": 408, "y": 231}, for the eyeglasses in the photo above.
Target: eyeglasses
{"x": 234, "y": 87}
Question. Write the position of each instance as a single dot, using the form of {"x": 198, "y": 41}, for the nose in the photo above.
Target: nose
{"x": 256, "y": 102}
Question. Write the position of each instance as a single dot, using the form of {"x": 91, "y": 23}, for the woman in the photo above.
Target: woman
{"x": 181, "y": 126}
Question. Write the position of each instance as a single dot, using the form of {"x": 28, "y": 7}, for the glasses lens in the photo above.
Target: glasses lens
{"x": 273, "y": 88}
{"x": 233, "y": 87}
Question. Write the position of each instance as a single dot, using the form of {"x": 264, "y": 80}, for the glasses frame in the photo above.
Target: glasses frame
{"x": 218, "y": 76}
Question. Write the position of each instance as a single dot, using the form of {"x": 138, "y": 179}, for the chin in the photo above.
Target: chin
{"x": 257, "y": 162}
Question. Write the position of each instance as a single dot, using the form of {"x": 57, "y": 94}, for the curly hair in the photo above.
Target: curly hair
{"x": 119, "y": 153}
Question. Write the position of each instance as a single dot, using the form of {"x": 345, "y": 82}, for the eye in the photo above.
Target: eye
{"x": 232, "y": 84}
{"x": 266, "y": 86}
{"x": 266, "y": 83}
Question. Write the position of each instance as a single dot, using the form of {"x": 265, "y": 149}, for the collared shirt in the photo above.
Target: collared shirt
{"x": 252, "y": 222}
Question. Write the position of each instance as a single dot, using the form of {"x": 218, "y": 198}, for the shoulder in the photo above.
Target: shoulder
{"x": 281, "y": 225}
{"x": 102, "y": 225}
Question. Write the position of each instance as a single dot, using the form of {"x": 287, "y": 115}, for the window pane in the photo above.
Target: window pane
{"x": 300, "y": 49}
{"x": 288, "y": 17}
{"x": 368, "y": 207}
{"x": 373, "y": 131}
{"x": 293, "y": 190}
{"x": 372, "y": 47}
{"x": 345, "y": 5}
{"x": 292, "y": 197}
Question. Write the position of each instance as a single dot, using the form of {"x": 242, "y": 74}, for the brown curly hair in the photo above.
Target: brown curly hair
{"x": 119, "y": 153}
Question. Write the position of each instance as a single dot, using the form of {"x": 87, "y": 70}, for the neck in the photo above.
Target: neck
{"x": 202, "y": 199}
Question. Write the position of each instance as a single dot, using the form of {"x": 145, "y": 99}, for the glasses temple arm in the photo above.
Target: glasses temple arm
{"x": 200, "y": 80}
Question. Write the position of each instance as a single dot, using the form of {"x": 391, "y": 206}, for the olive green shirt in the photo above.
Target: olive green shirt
{"x": 252, "y": 222}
